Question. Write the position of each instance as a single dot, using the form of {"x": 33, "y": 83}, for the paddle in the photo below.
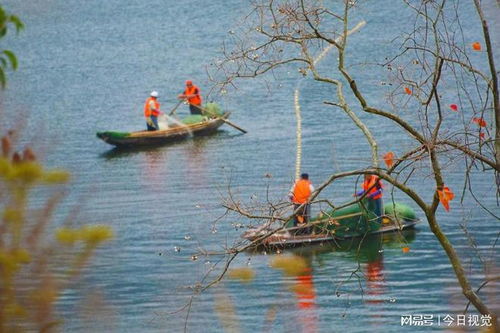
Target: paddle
{"x": 224, "y": 120}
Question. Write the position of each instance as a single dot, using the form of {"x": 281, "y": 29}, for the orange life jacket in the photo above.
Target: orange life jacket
{"x": 373, "y": 180}
{"x": 148, "y": 112}
{"x": 196, "y": 100}
{"x": 301, "y": 191}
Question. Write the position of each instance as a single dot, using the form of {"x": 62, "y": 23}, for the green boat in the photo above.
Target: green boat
{"x": 354, "y": 221}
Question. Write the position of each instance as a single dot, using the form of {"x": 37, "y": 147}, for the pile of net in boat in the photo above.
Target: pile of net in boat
{"x": 193, "y": 119}
{"x": 211, "y": 110}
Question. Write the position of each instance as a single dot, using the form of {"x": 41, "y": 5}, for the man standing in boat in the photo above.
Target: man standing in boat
{"x": 373, "y": 185}
{"x": 152, "y": 111}
{"x": 193, "y": 97}
{"x": 300, "y": 194}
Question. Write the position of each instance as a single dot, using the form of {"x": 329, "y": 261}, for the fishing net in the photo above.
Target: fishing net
{"x": 193, "y": 119}
{"x": 162, "y": 122}
{"x": 213, "y": 109}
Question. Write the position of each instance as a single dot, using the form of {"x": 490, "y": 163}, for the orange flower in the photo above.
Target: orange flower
{"x": 408, "y": 91}
{"x": 405, "y": 249}
{"x": 454, "y": 107}
{"x": 389, "y": 159}
{"x": 476, "y": 46}
{"x": 445, "y": 196}
{"x": 480, "y": 121}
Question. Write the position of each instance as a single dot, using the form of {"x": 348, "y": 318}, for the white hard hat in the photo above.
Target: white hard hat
{"x": 154, "y": 93}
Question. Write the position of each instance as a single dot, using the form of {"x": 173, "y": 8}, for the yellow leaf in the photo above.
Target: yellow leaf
{"x": 96, "y": 234}
{"x": 28, "y": 172}
{"x": 21, "y": 256}
{"x": 5, "y": 168}
{"x": 244, "y": 274}
{"x": 56, "y": 177}
{"x": 67, "y": 236}
{"x": 290, "y": 265}
{"x": 12, "y": 215}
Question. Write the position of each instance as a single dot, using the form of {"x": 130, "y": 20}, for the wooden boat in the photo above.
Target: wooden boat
{"x": 355, "y": 221}
{"x": 173, "y": 133}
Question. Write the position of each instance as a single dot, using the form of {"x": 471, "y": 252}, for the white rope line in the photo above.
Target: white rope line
{"x": 299, "y": 134}
{"x": 296, "y": 99}
{"x": 337, "y": 40}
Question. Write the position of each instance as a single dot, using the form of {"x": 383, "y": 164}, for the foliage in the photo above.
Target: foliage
{"x": 35, "y": 267}
{"x": 7, "y": 57}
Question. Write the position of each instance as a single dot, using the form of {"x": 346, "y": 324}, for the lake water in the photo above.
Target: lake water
{"x": 88, "y": 66}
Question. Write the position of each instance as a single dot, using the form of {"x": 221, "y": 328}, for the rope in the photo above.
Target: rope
{"x": 298, "y": 158}
{"x": 299, "y": 134}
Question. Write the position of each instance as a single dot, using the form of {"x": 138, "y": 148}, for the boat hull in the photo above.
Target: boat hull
{"x": 352, "y": 222}
{"x": 288, "y": 239}
{"x": 156, "y": 138}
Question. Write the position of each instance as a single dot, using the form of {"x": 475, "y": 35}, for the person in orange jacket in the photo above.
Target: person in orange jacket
{"x": 300, "y": 194}
{"x": 373, "y": 185}
{"x": 193, "y": 97}
{"x": 152, "y": 111}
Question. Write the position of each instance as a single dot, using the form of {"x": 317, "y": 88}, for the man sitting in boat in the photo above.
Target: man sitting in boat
{"x": 152, "y": 111}
{"x": 193, "y": 97}
{"x": 373, "y": 185}
{"x": 299, "y": 195}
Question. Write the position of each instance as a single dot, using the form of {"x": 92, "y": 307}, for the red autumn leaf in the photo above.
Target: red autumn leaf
{"x": 445, "y": 196}
{"x": 454, "y": 107}
{"x": 389, "y": 159}
{"x": 408, "y": 91}
{"x": 476, "y": 46}
{"x": 405, "y": 249}
{"x": 480, "y": 121}
{"x": 481, "y": 135}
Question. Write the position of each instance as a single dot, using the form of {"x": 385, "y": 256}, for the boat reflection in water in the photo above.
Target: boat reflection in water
{"x": 366, "y": 282}
{"x": 299, "y": 272}
{"x": 306, "y": 300}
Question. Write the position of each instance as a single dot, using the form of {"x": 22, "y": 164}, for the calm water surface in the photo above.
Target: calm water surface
{"x": 87, "y": 66}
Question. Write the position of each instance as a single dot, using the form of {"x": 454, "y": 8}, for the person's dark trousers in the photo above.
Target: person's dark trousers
{"x": 379, "y": 207}
{"x": 195, "y": 109}
{"x": 304, "y": 212}
{"x": 154, "y": 119}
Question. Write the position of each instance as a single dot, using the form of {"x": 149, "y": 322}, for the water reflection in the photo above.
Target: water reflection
{"x": 305, "y": 294}
{"x": 153, "y": 172}
{"x": 375, "y": 281}
{"x": 119, "y": 152}
{"x": 196, "y": 162}
{"x": 299, "y": 272}
{"x": 368, "y": 253}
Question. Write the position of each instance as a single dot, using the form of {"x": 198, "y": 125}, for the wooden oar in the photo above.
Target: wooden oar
{"x": 175, "y": 107}
{"x": 224, "y": 120}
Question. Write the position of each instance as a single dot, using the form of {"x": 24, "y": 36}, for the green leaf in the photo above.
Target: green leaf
{"x": 12, "y": 58}
{"x": 3, "y": 79}
{"x": 3, "y": 62}
{"x": 17, "y": 22}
